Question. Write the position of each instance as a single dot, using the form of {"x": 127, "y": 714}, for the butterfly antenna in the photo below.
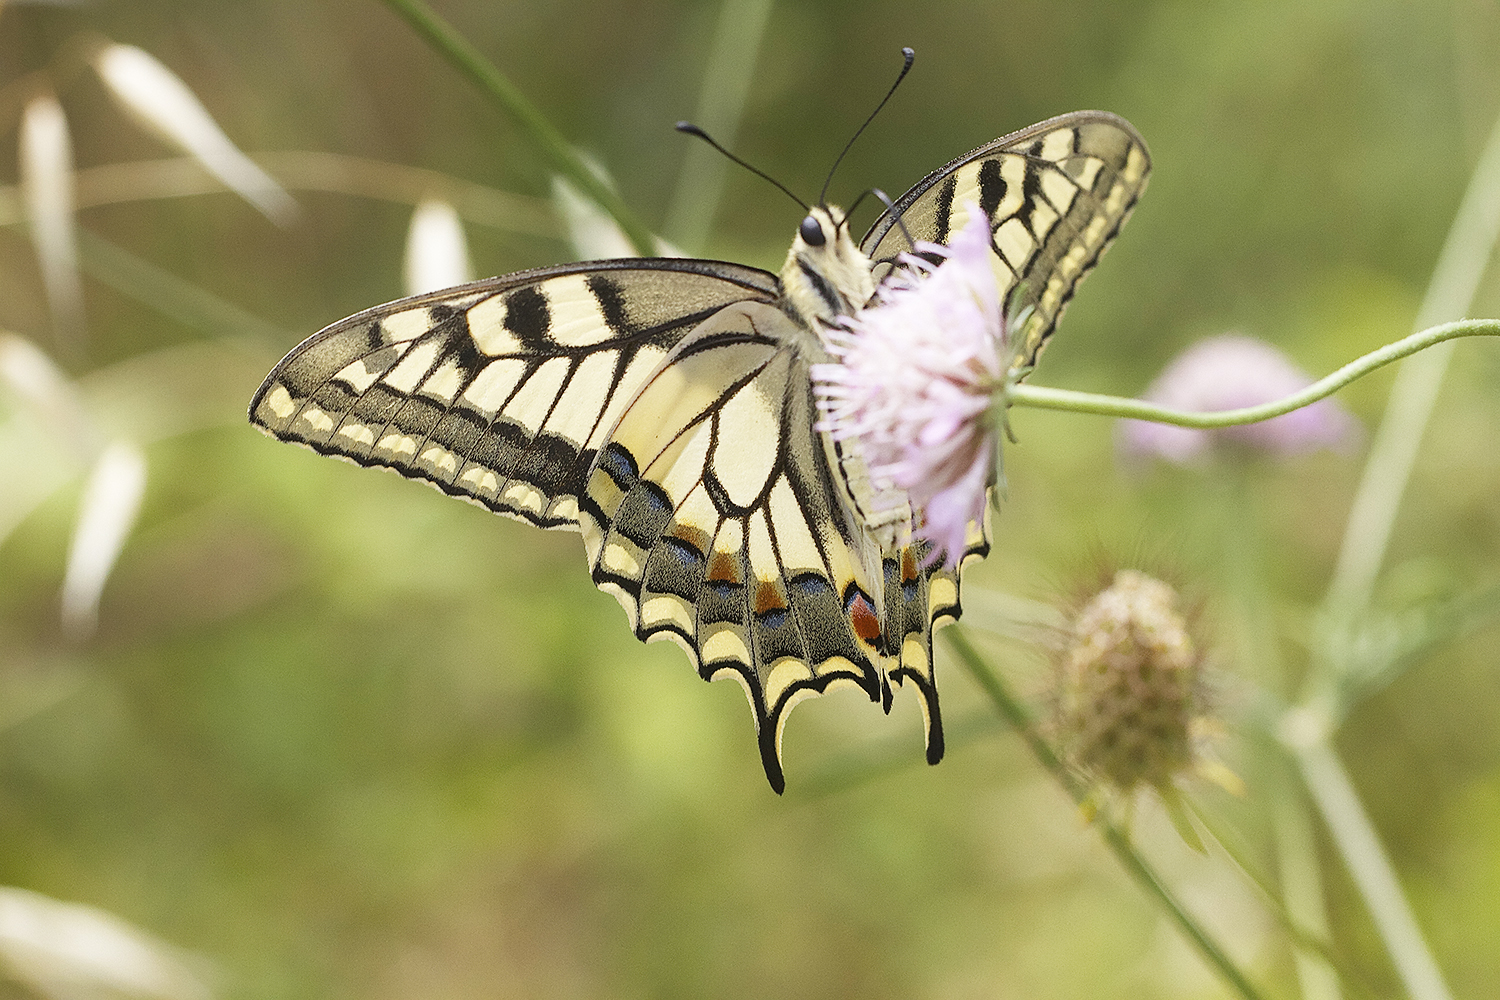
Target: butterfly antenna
{"x": 855, "y": 204}
{"x": 890, "y": 206}
{"x": 690, "y": 129}
{"x": 908, "y": 55}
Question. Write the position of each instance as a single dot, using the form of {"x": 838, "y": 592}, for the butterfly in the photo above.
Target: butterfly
{"x": 664, "y": 409}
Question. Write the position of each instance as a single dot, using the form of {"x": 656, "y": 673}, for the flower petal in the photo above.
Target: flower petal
{"x": 437, "y": 255}
{"x": 915, "y": 383}
{"x": 47, "y": 187}
{"x": 163, "y": 103}
{"x": 111, "y": 501}
{"x": 1225, "y": 373}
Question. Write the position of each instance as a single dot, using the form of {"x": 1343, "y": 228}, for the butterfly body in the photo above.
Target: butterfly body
{"x": 664, "y": 408}
{"x": 827, "y": 276}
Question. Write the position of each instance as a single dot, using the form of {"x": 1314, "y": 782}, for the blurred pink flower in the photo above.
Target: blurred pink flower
{"x": 1225, "y": 373}
{"x": 916, "y": 384}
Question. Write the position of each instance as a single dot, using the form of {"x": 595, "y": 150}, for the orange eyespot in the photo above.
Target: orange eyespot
{"x": 862, "y": 615}
{"x": 768, "y": 599}
{"x": 722, "y": 569}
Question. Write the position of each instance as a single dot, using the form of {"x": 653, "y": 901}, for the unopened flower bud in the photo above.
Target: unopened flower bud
{"x": 1129, "y": 688}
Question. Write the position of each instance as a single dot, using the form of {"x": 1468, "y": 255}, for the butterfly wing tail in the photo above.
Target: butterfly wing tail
{"x": 919, "y": 600}
{"x": 708, "y": 516}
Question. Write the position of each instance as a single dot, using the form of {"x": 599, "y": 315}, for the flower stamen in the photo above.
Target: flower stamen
{"x": 918, "y": 386}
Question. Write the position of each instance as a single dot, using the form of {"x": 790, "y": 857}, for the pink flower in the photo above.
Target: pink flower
{"x": 1225, "y": 373}
{"x": 915, "y": 386}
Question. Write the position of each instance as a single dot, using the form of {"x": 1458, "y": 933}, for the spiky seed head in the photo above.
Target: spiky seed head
{"x": 1129, "y": 686}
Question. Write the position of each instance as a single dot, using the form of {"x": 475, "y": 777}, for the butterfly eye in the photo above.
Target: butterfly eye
{"x": 812, "y": 232}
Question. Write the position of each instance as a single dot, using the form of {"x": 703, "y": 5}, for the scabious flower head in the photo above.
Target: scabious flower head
{"x": 915, "y": 388}
{"x": 1225, "y": 373}
{"x": 1129, "y": 687}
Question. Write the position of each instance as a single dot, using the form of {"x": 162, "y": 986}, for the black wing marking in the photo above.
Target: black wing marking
{"x": 1056, "y": 193}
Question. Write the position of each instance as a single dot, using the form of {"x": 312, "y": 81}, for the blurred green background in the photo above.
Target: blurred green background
{"x": 347, "y": 738}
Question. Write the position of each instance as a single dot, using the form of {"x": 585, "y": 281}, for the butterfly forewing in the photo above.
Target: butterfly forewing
{"x": 1056, "y": 195}
{"x": 500, "y": 391}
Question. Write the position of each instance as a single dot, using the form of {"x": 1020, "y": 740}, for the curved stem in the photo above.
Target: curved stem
{"x": 564, "y": 158}
{"x": 1046, "y": 398}
{"x": 1117, "y": 839}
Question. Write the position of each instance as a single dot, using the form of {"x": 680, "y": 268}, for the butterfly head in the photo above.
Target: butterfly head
{"x": 826, "y": 275}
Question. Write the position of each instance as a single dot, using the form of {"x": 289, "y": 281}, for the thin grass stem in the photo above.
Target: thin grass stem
{"x": 305, "y": 170}
{"x": 721, "y": 103}
{"x": 1456, "y": 277}
{"x": 171, "y": 296}
{"x": 1371, "y": 869}
{"x": 1302, "y": 891}
{"x": 1461, "y": 266}
{"x": 548, "y": 140}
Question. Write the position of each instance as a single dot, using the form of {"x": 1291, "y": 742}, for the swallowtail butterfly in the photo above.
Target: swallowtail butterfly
{"x": 663, "y": 409}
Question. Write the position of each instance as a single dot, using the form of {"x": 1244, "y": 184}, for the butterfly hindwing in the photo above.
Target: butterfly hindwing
{"x": 500, "y": 391}
{"x": 1056, "y": 194}
{"x": 713, "y": 517}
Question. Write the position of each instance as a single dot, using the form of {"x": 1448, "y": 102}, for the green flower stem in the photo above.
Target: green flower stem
{"x": 1119, "y": 842}
{"x": 1302, "y": 892}
{"x": 1297, "y": 895}
{"x": 564, "y": 158}
{"x": 1355, "y": 837}
{"x": 1045, "y": 398}
{"x": 1456, "y": 277}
